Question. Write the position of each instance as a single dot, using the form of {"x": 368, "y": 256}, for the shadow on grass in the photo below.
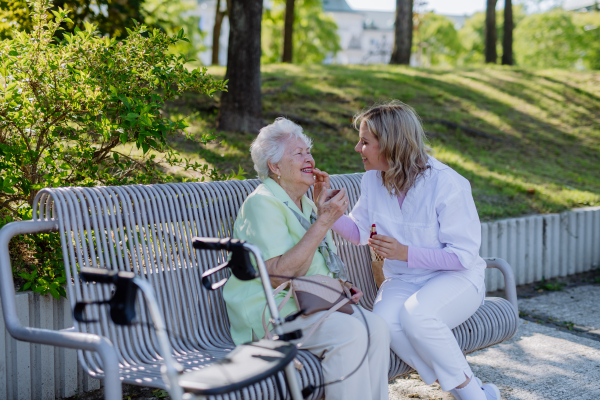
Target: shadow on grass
{"x": 533, "y": 150}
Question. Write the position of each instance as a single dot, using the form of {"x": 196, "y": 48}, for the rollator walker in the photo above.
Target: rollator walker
{"x": 247, "y": 364}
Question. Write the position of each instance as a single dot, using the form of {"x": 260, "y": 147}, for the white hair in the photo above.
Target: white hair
{"x": 269, "y": 145}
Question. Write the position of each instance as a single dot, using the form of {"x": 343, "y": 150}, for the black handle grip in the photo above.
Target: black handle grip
{"x": 122, "y": 303}
{"x": 239, "y": 263}
{"x": 101, "y": 275}
{"x": 207, "y": 243}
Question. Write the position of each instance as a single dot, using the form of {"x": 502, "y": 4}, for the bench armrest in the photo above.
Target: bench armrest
{"x": 510, "y": 287}
{"x": 64, "y": 338}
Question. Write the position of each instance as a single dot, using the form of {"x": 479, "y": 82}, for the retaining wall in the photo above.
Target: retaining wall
{"x": 39, "y": 372}
{"x": 543, "y": 246}
{"x": 536, "y": 246}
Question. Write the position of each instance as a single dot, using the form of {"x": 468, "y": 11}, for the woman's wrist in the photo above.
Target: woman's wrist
{"x": 403, "y": 252}
{"x": 323, "y": 223}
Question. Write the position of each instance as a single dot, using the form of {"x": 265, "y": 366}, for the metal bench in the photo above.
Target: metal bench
{"x": 148, "y": 230}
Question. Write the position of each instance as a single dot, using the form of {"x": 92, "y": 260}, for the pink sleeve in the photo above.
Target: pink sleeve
{"x": 437, "y": 259}
{"x": 347, "y": 229}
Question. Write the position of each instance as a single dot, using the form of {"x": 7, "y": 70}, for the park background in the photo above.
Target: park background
{"x": 515, "y": 111}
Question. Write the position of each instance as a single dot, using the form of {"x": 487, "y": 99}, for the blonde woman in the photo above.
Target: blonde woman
{"x": 429, "y": 234}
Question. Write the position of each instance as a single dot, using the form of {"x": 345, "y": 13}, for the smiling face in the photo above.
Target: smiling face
{"x": 295, "y": 167}
{"x": 368, "y": 147}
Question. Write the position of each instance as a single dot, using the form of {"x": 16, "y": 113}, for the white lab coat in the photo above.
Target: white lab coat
{"x": 438, "y": 212}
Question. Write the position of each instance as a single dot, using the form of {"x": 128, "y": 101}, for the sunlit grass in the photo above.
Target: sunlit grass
{"x": 546, "y": 159}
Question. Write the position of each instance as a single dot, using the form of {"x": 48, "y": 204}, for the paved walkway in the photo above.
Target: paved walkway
{"x": 545, "y": 360}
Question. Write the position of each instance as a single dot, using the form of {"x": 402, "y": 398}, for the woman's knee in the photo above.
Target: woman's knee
{"x": 416, "y": 322}
{"x": 379, "y": 328}
{"x": 388, "y": 314}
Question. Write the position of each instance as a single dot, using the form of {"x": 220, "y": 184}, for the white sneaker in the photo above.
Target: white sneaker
{"x": 457, "y": 396}
{"x": 491, "y": 391}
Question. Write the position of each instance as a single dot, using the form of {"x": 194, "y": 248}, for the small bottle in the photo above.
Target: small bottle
{"x": 373, "y": 231}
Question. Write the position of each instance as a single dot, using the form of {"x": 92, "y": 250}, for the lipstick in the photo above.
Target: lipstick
{"x": 373, "y": 231}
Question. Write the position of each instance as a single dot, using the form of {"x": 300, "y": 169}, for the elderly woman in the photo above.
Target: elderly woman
{"x": 294, "y": 237}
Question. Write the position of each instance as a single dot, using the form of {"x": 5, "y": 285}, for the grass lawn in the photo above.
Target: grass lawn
{"x": 532, "y": 143}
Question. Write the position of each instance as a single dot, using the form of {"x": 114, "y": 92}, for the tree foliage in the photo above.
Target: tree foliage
{"x": 441, "y": 38}
{"x": 14, "y": 15}
{"x": 315, "y": 34}
{"x": 85, "y": 110}
{"x": 548, "y": 40}
{"x": 111, "y": 17}
{"x": 472, "y": 35}
{"x": 589, "y": 25}
{"x": 559, "y": 39}
{"x": 173, "y": 15}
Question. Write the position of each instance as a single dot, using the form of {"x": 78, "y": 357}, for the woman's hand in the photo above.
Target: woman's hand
{"x": 329, "y": 211}
{"x": 389, "y": 248}
{"x": 321, "y": 183}
{"x": 356, "y": 294}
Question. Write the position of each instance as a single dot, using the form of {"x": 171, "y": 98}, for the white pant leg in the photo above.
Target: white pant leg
{"x": 421, "y": 324}
{"x": 391, "y": 296}
{"x": 341, "y": 342}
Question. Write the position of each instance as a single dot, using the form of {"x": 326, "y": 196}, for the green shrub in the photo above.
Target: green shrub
{"x": 548, "y": 40}
{"x": 85, "y": 110}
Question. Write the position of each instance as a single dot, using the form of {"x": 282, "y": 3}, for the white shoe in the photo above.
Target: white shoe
{"x": 457, "y": 396}
{"x": 491, "y": 391}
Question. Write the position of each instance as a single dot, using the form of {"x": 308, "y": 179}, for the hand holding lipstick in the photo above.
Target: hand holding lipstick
{"x": 388, "y": 247}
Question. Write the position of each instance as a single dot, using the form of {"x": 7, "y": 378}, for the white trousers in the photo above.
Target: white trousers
{"x": 341, "y": 343}
{"x": 421, "y": 318}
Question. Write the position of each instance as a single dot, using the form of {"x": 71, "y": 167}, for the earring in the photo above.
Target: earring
{"x": 278, "y": 176}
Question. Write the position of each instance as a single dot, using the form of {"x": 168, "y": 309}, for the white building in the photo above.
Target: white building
{"x": 366, "y": 37}
{"x": 580, "y": 5}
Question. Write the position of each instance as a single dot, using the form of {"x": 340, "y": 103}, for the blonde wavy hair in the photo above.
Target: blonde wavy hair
{"x": 402, "y": 142}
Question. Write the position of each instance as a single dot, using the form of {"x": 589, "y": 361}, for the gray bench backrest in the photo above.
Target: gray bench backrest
{"x": 147, "y": 229}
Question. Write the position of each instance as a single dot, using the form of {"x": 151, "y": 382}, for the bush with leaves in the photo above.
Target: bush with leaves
{"x": 86, "y": 110}
{"x": 111, "y": 17}
{"x": 589, "y": 27}
{"x": 548, "y": 40}
{"x": 437, "y": 32}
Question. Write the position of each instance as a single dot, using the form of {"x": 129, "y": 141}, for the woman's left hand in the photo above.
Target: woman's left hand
{"x": 389, "y": 248}
{"x": 356, "y": 294}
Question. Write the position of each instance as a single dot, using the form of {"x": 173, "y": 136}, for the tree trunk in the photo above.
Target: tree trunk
{"x": 216, "y": 44}
{"x": 491, "y": 38}
{"x": 288, "y": 30}
{"x": 241, "y": 107}
{"x": 507, "y": 40}
{"x": 403, "y": 32}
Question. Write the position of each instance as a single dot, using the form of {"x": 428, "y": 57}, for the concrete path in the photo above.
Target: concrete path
{"x": 543, "y": 361}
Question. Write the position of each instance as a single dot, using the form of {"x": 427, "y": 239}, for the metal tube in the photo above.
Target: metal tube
{"x": 171, "y": 370}
{"x": 266, "y": 282}
{"x": 290, "y": 371}
{"x": 67, "y": 339}
{"x": 510, "y": 287}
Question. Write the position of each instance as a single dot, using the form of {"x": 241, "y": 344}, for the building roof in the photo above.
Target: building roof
{"x": 337, "y": 5}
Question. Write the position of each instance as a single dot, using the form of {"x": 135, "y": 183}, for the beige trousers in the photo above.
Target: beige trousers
{"x": 341, "y": 342}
